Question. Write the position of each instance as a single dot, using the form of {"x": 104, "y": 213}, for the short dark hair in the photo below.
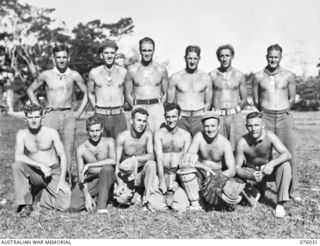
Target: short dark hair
{"x": 225, "y": 47}
{"x": 30, "y": 108}
{"x": 254, "y": 115}
{"x": 60, "y": 47}
{"x": 93, "y": 120}
{"x": 274, "y": 47}
{"x": 192, "y": 48}
{"x": 139, "y": 110}
{"x": 108, "y": 43}
{"x": 171, "y": 106}
{"x": 146, "y": 40}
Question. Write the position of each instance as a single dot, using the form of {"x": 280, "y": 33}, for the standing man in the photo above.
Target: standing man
{"x": 135, "y": 165}
{"x": 170, "y": 144}
{"x": 106, "y": 91}
{"x": 40, "y": 163}
{"x": 253, "y": 160}
{"x": 147, "y": 84}
{"x": 59, "y": 83}
{"x": 96, "y": 158}
{"x": 192, "y": 90}
{"x": 229, "y": 95}
{"x": 274, "y": 91}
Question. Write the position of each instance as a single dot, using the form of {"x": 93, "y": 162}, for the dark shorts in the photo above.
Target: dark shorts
{"x": 191, "y": 124}
{"x": 113, "y": 124}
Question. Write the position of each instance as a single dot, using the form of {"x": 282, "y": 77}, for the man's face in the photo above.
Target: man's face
{"x": 95, "y": 132}
{"x": 61, "y": 59}
{"x": 192, "y": 60}
{"x": 146, "y": 51}
{"x": 172, "y": 118}
{"x": 255, "y": 127}
{"x": 211, "y": 127}
{"x": 274, "y": 58}
{"x": 225, "y": 58}
{"x": 139, "y": 122}
{"x": 34, "y": 120}
{"x": 109, "y": 55}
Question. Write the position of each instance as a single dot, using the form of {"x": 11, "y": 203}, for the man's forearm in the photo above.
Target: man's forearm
{"x": 32, "y": 97}
{"x": 244, "y": 173}
{"x": 142, "y": 159}
{"x": 102, "y": 163}
{"x": 26, "y": 159}
{"x": 92, "y": 99}
{"x": 83, "y": 104}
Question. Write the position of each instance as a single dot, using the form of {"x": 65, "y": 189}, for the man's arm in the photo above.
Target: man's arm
{"x": 90, "y": 84}
{"x": 60, "y": 152}
{"x": 243, "y": 91}
{"x": 159, "y": 160}
{"x": 20, "y": 155}
{"x": 255, "y": 91}
{"x": 229, "y": 160}
{"x": 79, "y": 81}
{"x": 187, "y": 142}
{"x": 129, "y": 88}
{"x": 208, "y": 94}
{"x": 164, "y": 85}
{"x": 119, "y": 150}
{"x": 240, "y": 159}
{"x": 171, "y": 92}
{"x": 34, "y": 87}
{"x": 284, "y": 154}
{"x": 142, "y": 159}
{"x": 195, "y": 144}
{"x": 291, "y": 90}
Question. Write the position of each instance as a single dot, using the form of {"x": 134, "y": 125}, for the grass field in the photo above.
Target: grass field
{"x": 302, "y": 220}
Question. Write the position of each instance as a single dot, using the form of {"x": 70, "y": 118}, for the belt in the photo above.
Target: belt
{"x": 56, "y": 109}
{"x": 269, "y": 111}
{"x": 109, "y": 110}
{"x": 256, "y": 167}
{"x": 192, "y": 113}
{"x": 230, "y": 111}
{"x": 146, "y": 101}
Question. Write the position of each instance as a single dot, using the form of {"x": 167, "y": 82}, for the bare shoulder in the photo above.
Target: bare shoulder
{"x": 82, "y": 147}
{"x": 107, "y": 141}
{"x": 241, "y": 142}
{"x": 121, "y": 70}
{"x": 132, "y": 69}
{"x": 159, "y": 133}
{"x": 94, "y": 71}
{"x": 198, "y": 137}
{"x": 177, "y": 75}
{"x": 271, "y": 136}
{"x": 122, "y": 136}
{"x": 50, "y": 132}
{"x": 213, "y": 73}
{"x": 161, "y": 69}
{"x": 75, "y": 74}
{"x": 186, "y": 135}
{"x": 238, "y": 73}
{"x": 258, "y": 75}
{"x": 148, "y": 133}
{"x": 21, "y": 133}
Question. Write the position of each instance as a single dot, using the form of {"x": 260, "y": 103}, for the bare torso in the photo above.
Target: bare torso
{"x": 147, "y": 80}
{"x": 226, "y": 88}
{"x": 274, "y": 89}
{"x": 134, "y": 146}
{"x": 191, "y": 89}
{"x": 257, "y": 153}
{"x": 108, "y": 88}
{"x": 40, "y": 146}
{"x": 91, "y": 153}
{"x": 59, "y": 89}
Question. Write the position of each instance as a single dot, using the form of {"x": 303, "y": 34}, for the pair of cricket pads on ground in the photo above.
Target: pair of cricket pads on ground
{"x": 212, "y": 190}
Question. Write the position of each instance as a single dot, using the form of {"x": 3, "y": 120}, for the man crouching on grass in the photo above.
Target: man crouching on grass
{"x": 253, "y": 160}
{"x": 96, "y": 158}
{"x": 135, "y": 165}
{"x": 37, "y": 166}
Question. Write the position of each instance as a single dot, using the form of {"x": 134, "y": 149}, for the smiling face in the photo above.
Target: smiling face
{"x": 146, "y": 51}
{"x": 211, "y": 127}
{"x": 255, "y": 127}
{"x": 172, "y": 118}
{"x": 225, "y": 58}
{"x": 139, "y": 122}
{"x": 274, "y": 59}
{"x": 34, "y": 120}
{"x": 192, "y": 60}
{"x": 109, "y": 56}
{"x": 95, "y": 132}
{"x": 61, "y": 60}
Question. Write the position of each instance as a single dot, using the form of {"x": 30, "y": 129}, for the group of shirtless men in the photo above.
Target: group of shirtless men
{"x": 191, "y": 113}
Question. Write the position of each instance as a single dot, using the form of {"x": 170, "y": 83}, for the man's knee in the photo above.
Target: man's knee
{"x": 107, "y": 169}
{"x": 150, "y": 167}
{"x": 64, "y": 203}
{"x": 285, "y": 168}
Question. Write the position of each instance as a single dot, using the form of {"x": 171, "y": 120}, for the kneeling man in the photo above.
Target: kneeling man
{"x": 170, "y": 143}
{"x": 40, "y": 163}
{"x": 96, "y": 158}
{"x": 215, "y": 157}
{"x": 135, "y": 165}
{"x": 253, "y": 159}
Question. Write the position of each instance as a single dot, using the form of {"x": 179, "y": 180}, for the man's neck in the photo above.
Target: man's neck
{"x": 135, "y": 134}
{"x": 172, "y": 130}
{"x": 271, "y": 70}
{"x": 94, "y": 143}
{"x": 208, "y": 139}
{"x": 34, "y": 131}
{"x": 191, "y": 71}
{"x": 261, "y": 138}
{"x": 146, "y": 63}
{"x": 224, "y": 69}
{"x": 61, "y": 70}
{"x": 109, "y": 67}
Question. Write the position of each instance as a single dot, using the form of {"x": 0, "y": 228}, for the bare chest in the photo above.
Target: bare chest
{"x": 100, "y": 151}
{"x": 210, "y": 152}
{"x": 189, "y": 84}
{"x": 34, "y": 144}
{"x": 55, "y": 84}
{"x": 274, "y": 83}
{"x": 113, "y": 80}
{"x": 223, "y": 81}
{"x": 172, "y": 143}
{"x": 147, "y": 77}
{"x": 135, "y": 146}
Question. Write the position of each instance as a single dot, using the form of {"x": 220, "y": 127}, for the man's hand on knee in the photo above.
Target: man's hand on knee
{"x": 89, "y": 203}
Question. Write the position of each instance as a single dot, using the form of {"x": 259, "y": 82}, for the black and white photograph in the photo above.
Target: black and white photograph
{"x": 148, "y": 119}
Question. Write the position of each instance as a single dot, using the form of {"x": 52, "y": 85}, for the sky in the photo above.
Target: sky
{"x": 249, "y": 25}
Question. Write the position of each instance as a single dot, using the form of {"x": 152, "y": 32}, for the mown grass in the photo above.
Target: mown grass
{"x": 302, "y": 220}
